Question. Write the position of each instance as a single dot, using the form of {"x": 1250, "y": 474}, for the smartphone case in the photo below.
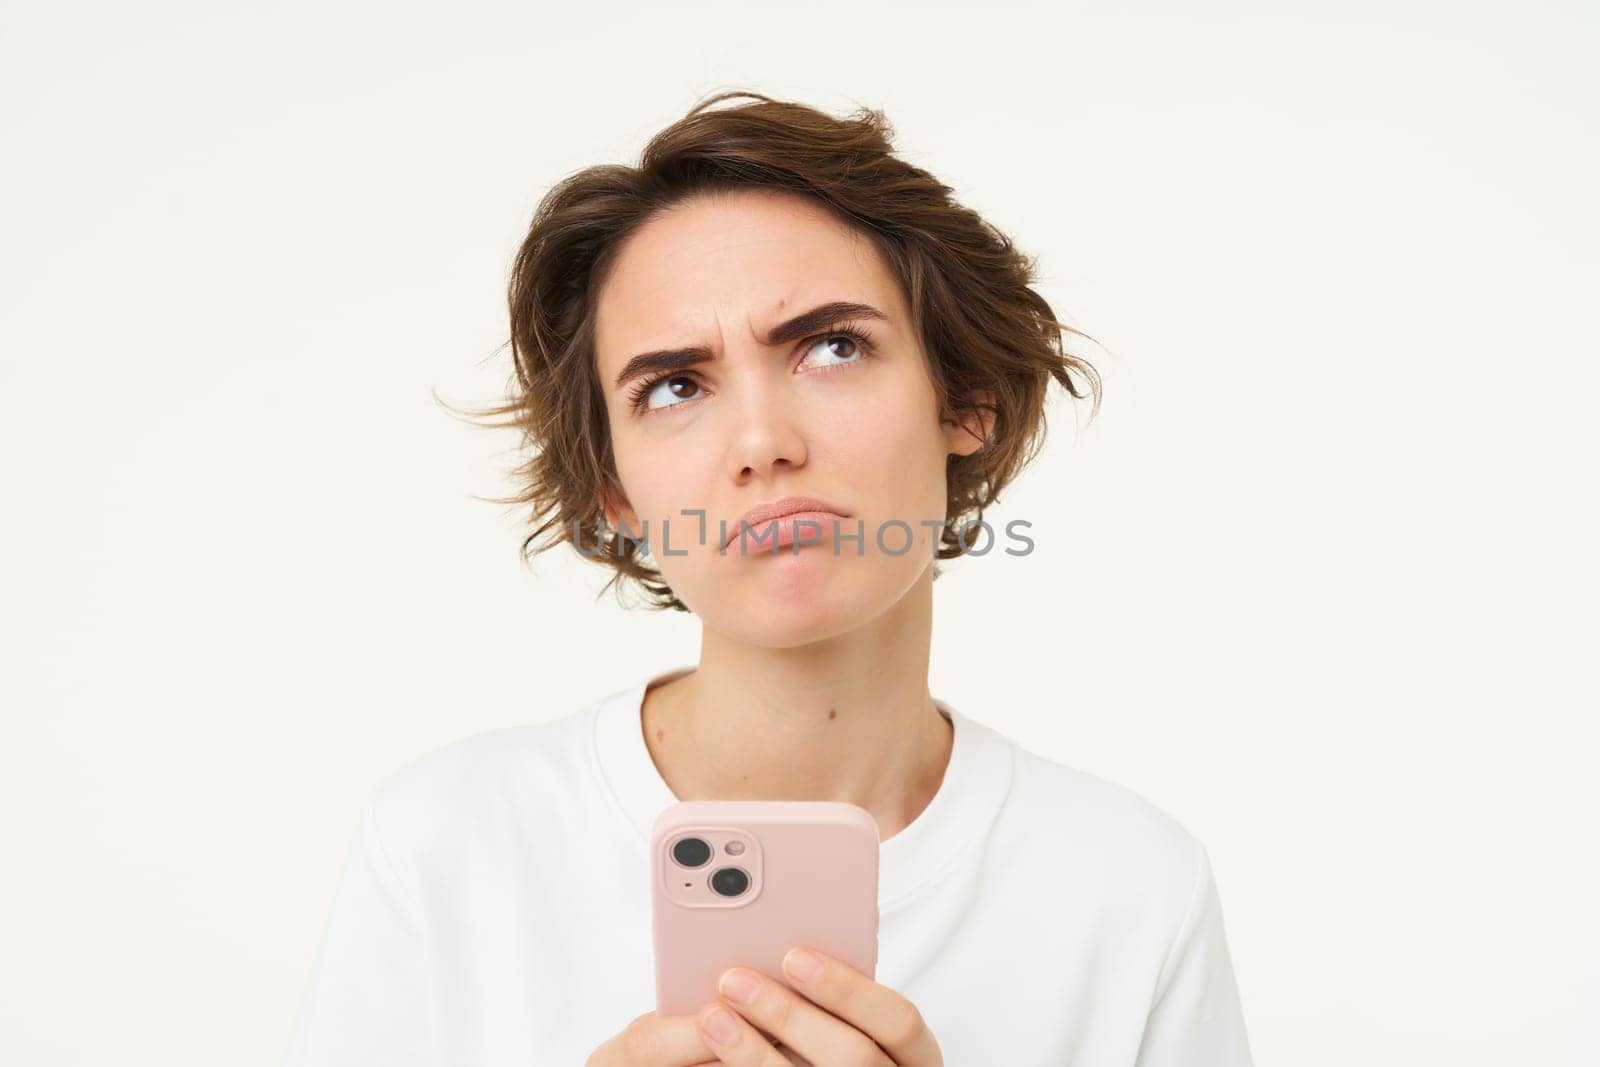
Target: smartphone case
{"x": 813, "y": 880}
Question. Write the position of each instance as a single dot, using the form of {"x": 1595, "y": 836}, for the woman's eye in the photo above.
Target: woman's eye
{"x": 674, "y": 385}
{"x": 839, "y": 344}
{"x": 844, "y": 346}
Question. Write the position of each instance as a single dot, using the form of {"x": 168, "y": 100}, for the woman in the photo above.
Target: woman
{"x": 773, "y": 315}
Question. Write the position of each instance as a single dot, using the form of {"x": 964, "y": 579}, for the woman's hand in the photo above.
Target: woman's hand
{"x": 845, "y": 1019}
{"x": 652, "y": 1040}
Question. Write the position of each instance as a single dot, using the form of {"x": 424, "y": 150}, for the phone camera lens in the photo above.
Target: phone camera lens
{"x": 730, "y": 881}
{"x": 691, "y": 852}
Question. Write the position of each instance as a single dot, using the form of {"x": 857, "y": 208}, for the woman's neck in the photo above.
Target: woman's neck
{"x": 847, "y": 719}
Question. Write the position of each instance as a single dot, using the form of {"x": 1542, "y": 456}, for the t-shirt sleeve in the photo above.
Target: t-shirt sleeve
{"x": 367, "y": 1002}
{"x": 1195, "y": 1019}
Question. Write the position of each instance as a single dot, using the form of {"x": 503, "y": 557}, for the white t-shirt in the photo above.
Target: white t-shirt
{"x": 494, "y": 910}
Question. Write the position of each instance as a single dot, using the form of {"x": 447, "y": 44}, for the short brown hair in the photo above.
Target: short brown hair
{"x": 984, "y": 329}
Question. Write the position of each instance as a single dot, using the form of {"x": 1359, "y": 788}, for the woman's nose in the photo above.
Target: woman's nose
{"x": 765, "y": 421}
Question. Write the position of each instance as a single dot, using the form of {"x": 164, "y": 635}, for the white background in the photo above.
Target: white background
{"x": 1319, "y": 581}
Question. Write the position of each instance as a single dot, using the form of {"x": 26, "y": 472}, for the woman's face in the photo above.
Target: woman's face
{"x": 759, "y": 416}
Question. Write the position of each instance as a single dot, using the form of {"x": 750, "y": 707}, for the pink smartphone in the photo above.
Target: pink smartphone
{"x": 743, "y": 881}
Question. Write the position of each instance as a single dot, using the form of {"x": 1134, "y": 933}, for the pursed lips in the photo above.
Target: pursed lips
{"x": 762, "y": 514}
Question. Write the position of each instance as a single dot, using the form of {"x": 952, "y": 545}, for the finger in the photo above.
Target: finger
{"x": 889, "y": 1019}
{"x": 734, "y": 1040}
{"x": 668, "y": 1040}
{"x": 795, "y": 1021}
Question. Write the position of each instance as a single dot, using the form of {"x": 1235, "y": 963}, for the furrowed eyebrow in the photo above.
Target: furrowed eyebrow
{"x": 803, "y": 325}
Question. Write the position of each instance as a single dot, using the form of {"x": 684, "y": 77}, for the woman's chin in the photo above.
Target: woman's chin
{"x": 809, "y": 574}
{"x": 781, "y": 602}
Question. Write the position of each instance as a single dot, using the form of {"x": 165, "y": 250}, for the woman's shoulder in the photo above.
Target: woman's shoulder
{"x": 1128, "y": 838}
{"x": 464, "y": 780}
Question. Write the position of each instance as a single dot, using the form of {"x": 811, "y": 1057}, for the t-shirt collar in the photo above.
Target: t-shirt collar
{"x": 976, "y": 783}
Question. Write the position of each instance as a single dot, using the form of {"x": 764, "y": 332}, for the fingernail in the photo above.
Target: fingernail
{"x": 740, "y": 986}
{"x": 720, "y": 1025}
{"x": 802, "y": 965}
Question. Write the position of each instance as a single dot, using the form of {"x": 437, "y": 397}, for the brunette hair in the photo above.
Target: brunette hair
{"x": 984, "y": 328}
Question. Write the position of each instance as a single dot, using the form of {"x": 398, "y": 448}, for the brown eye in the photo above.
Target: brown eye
{"x": 680, "y": 386}
{"x": 844, "y": 346}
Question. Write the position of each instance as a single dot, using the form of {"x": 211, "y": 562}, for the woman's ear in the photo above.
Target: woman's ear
{"x": 970, "y": 432}
{"x": 616, "y": 509}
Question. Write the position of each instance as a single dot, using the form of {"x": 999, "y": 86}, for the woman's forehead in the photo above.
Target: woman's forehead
{"x": 732, "y": 264}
